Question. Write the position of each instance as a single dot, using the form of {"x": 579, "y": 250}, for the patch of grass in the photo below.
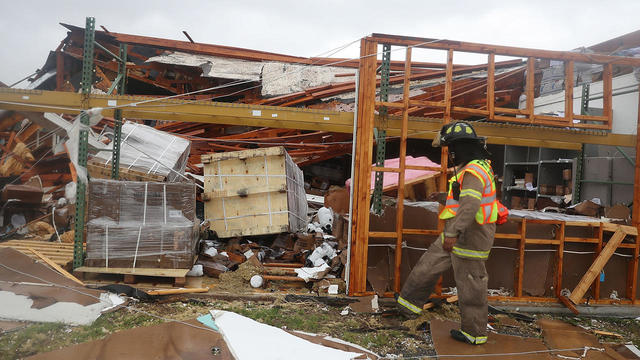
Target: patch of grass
{"x": 43, "y": 337}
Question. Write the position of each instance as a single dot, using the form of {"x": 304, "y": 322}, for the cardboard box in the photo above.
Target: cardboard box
{"x": 559, "y": 190}
{"x": 546, "y": 189}
{"x": 528, "y": 178}
{"x": 566, "y": 174}
{"x": 531, "y": 203}
{"x": 516, "y": 202}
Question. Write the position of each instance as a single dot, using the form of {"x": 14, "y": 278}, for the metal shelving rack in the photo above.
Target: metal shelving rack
{"x": 87, "y": 81}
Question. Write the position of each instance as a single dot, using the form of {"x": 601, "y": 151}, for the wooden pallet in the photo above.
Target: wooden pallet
{"x": 59, "y": 253}
{"x": 131, "y": 275}
{"x": 99, "y": 170}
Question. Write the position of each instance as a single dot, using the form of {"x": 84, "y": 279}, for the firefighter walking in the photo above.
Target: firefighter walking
{"x": 470, "y": 214}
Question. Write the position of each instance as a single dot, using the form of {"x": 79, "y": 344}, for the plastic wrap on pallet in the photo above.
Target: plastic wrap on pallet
{"x": 134, "y": 224}
{"x": 147, "y": 150}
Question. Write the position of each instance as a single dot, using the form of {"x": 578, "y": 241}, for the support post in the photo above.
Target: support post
{"x": 87, "y": 79}
{"x": 117, "y": 114}
{"x": 362, "y": 176}
{"x": 448, "y": 85}
{"x": 402, "y": 158}
{"x": 491, "y": 85}
{"x": 531, "y": 69}
{"x": 568, "y": 92}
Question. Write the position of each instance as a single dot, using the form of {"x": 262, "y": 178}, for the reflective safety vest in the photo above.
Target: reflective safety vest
{"x": 488, "y": 212}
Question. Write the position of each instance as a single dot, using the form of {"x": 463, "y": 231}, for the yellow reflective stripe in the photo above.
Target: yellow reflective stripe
{"x": 471, "y": 192}
{"x": 409, "y": 305}
{"x": 475, "y": 339}
{"x": 476, "y": 174}
{"x": 470, "y": 253}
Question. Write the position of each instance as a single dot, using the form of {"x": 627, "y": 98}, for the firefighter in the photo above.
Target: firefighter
{"x": 470, "y": 214}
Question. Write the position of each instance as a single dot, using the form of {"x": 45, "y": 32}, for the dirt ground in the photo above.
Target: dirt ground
{"x": 384, "y": 333}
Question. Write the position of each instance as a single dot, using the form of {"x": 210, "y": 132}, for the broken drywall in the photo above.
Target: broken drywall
{"x": 281, "y": 78}
{"x": 20, "y": 307}
{"x": 214, "y": 66}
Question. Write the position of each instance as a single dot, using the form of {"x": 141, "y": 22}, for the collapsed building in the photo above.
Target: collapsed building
{"x": 227, "y": 154}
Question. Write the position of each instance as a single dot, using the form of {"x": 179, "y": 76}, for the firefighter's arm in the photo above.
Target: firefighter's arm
{"x": 469, "y": 204}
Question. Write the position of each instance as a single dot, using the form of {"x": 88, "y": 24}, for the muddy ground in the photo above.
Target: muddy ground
{"x": 385, "y": 333}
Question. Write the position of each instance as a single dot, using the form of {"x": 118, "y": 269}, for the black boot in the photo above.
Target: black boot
{"x": 460, "y": 336}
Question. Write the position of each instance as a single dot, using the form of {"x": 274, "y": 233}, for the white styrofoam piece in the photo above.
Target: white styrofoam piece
{"x": 308, "y": 273}
{"x": 248, "y": 339}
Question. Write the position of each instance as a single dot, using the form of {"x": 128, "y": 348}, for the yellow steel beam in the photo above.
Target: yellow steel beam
{"x": 292, "y": 118}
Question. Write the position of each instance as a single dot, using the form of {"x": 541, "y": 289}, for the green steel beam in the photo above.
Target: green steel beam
{"x": 81, "y": 188}
{"x": 117, "y": 114}
{"x": 380, "y": 131}
{"x": 114, "y": 84}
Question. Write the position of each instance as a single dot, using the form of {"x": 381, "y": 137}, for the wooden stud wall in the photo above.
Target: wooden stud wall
{"x": 362, "y": 188}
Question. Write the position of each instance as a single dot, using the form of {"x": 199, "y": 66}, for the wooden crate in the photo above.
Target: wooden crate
{"x": 99, "y": 170}
{"x": 253, "y": 192}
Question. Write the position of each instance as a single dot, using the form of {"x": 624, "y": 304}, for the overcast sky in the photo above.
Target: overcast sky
{"x": 30, "y": 29}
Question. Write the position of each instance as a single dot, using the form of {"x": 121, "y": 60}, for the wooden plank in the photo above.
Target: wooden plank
{"x": 568, "y": 92}
{"x": 427, "y": 103}
{"x": 245, "y": 192}
{"x": 520, "y": 268}
{"x": 383, "y": 234}
{"x": 559, "y": 259}
{"x": 501, "y": 50}
{"x": 362, "y": 172}
{"x": 401, "y": 175}
{"x": 491, "y": 85}
{"x": 607, "y": 95}
{"x": 596, "y": 267}
{"x": 469, "y": 111}
{"x": 543, "y": 241}
{"x": 629, "y": 230}
{"x": 530, "y": 84}
{"x": 134, "y": 271}
{"x": 507, "y": 236}
{"x": 55, "y": 266}
{"x": 178, "y": 291}
{"x": 596, "y": 281}
{"x": 244, "y": 154}
{"x": 420, "y": 232}
{"x": 258, "y": 230}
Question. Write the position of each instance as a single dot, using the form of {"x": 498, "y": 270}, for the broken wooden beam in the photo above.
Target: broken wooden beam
{"x": 597, "y": 266}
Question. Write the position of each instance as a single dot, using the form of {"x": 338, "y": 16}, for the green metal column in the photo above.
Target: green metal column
{"x": 380, "y": 132}
{"x": 87, "y": 80}
{"x": 117, "y": 129}
{"x": 584, "y": 110}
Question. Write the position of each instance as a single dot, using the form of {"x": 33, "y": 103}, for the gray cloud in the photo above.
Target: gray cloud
{"x": 30, "y": 29}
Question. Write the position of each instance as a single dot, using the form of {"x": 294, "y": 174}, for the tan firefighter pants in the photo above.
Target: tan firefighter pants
{"x": 471, "y": 281}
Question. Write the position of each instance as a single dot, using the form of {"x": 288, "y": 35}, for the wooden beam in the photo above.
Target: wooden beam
{"x": 596, "y": 267}
{"x": 560, "y": 259}
{"x": 56, "y": 267}
{"x": 568, "y": 92}
{"x": 502, "y": 50}
{"x": 362, "y": 174}
{"x": 607, "y": 92}
{"x": 520, "y": 268}
{"x": 531, "y": 69}
{"x": 401, "y": 165}
{"x": 294, "y": 118}
{"x": 491, "y": 85}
